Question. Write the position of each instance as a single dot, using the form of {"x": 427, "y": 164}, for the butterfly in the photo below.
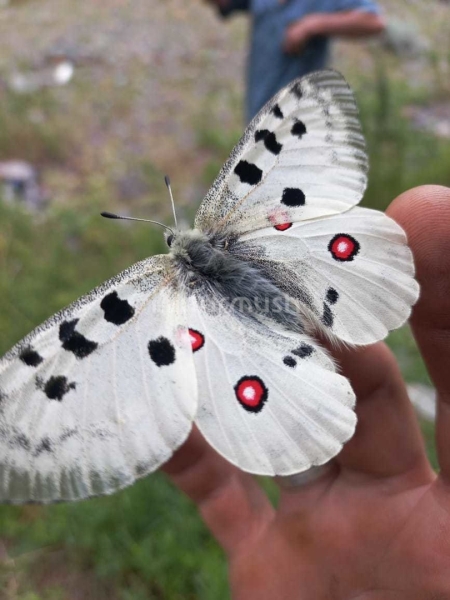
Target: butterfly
{"x": 221, "y": 330}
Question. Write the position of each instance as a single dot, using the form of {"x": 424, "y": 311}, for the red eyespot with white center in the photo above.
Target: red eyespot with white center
{"x": 251, "y": 393}
{"x": 197, "y": 339}
{"x": 343, "y": 247}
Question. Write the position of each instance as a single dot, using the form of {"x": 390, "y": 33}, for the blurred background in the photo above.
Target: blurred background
{"x": 98, "y": 101}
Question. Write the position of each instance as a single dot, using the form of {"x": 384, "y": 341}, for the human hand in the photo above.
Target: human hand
{"x": 376, "y": 525}
{"x": 298, "y": 34}
{"x": 352, "y": 24}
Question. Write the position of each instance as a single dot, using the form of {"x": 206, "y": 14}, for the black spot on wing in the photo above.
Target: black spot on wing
{"x": 44, "y": 445}
{"x": 270, "y": 141}
{"x": 30, "y": 357}
{"x": 161, "y": 352}
{"x": 260, "y": 134}
{"x": 297, "y": 91}
{"x": 332, "y": 296}
{"x": 298, "y": 129}
{"x": 67, "y": 329}
{"x": 75, "y": 342}
{"x": 248, "y": 172}
{"x": 327, "y": 317}
{"x": 116, "y": 311}
{"x": 303, "y": 351}
{"x": 290, "y": 362}
{"x": 67, "y": 434}
{"x": 20, "y": 440}
{"x": 276, "y": 111}
{"x": 56, "y": 387}
{"x": 293, "y": 197}
{"x": 142, "y": 469}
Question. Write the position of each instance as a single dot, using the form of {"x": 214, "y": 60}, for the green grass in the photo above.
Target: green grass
{"x": 146, "y": 542}
{"x": 400, "y": 157}
{"x": 47, "y": 263}
{"x": 33, "y": 126}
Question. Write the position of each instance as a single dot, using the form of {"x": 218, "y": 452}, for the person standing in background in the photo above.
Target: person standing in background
{"x": 290, "y": 38}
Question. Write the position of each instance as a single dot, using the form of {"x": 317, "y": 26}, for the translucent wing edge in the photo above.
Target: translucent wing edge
{"x": 327, "y": 79}
{"x": 104, "y": 491}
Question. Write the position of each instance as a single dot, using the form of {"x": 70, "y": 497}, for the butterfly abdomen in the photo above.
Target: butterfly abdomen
{"x": 206, "y": 263}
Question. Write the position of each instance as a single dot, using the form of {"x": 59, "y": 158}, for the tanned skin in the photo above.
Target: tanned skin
{"x": 349, "y": 24}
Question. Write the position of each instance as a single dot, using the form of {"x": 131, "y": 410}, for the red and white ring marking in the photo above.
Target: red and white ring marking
{"x": 343, "y": 247}
{"x": 251, "y": 393}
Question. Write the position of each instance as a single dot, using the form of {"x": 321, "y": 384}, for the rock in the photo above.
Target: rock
{"x": 19, "y": 183}
{"x": 29, "y": 82}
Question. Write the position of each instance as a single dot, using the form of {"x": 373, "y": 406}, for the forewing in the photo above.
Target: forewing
{"x": 352, "y": 273}
{"x": 100, "y": 394}
{"x": 302, "y": 157}
{"x": 269, "y": 401}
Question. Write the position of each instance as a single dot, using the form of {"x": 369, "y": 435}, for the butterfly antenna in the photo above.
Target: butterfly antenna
{"x": 109, "y": 215}
{"x": 167, "y": 180}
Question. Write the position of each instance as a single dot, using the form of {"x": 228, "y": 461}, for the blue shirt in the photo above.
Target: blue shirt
{"x": 269, "y": 68}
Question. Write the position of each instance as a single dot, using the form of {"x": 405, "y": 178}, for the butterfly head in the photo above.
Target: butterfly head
{"x": 181, "y": 242}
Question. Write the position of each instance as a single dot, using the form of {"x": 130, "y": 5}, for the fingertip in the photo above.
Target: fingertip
{"x": 422, "y": 209}
{"x": 424, "y": 214}
{"x": 387, "y": 440}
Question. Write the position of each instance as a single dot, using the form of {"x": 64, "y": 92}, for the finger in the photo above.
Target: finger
{"x": 232, "y": 504}
{"x": 424, "y": 213}
{"x": 387, "y": 440}
{"x": 289, "y": 40}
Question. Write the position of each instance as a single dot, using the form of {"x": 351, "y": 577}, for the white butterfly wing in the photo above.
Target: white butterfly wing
{"x": 269, "y": 401}
{"x": 99, "y": 395}
{"x": 353, "y": 273}
{"x": 106, "y": 390}
{"x": 302, "y": 157}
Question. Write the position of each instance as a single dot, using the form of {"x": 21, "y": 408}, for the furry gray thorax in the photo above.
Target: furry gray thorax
{"x": 212, "y": 267}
